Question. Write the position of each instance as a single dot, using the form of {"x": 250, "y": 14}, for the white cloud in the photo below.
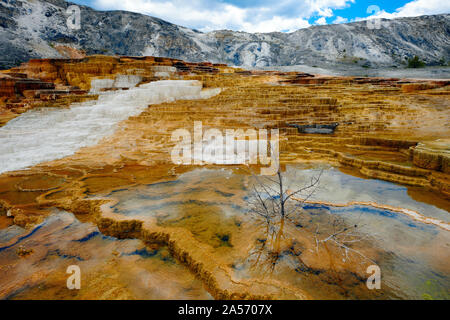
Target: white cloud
{"x": 423, "y": 7}
{"x": 321, "y": 21}
{"x": 340, "y": 20}
{"x": 207, "y": 15}
{"x": 415, "y": 8}
{"x": 276, "y": 24}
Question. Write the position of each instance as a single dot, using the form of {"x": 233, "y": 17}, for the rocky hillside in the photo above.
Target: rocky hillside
{"x": 38, "y": 29}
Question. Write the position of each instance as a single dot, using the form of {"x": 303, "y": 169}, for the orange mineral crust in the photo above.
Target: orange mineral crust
{"x": 395, "y": 130}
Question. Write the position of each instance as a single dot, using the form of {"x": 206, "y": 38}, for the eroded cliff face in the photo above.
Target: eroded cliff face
{"x": 391, "y": 129}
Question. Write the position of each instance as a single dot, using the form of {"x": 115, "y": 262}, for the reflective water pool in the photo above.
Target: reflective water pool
{"x": 33, "y": 265}
{"x": 212, "y": 204}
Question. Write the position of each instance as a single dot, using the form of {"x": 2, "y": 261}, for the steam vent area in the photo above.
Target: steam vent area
{"x": 87, "y": 178}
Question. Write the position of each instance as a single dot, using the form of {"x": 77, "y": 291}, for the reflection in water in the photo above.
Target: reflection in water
{"x": 338, "y": 187}
{"x": 266, "y": 254}
{"x": 212, "y": 205}
{"x": 33, "y": 265}
{"x": 211, "y": 212}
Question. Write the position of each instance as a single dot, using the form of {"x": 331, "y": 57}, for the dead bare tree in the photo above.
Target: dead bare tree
{"x": 342, "y": 236}
{"x": 276, "y": 204}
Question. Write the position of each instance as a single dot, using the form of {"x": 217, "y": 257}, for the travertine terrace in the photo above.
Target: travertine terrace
{"x": 391, "y": 129}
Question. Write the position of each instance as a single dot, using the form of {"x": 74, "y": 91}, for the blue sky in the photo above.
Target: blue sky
{"x": 269, "y": 15}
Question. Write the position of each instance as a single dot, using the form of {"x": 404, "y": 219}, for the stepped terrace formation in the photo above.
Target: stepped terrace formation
{"x": 397, "y": 130}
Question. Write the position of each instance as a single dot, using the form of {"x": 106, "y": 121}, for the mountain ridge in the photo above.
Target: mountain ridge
{"x": 35, "y": 29}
